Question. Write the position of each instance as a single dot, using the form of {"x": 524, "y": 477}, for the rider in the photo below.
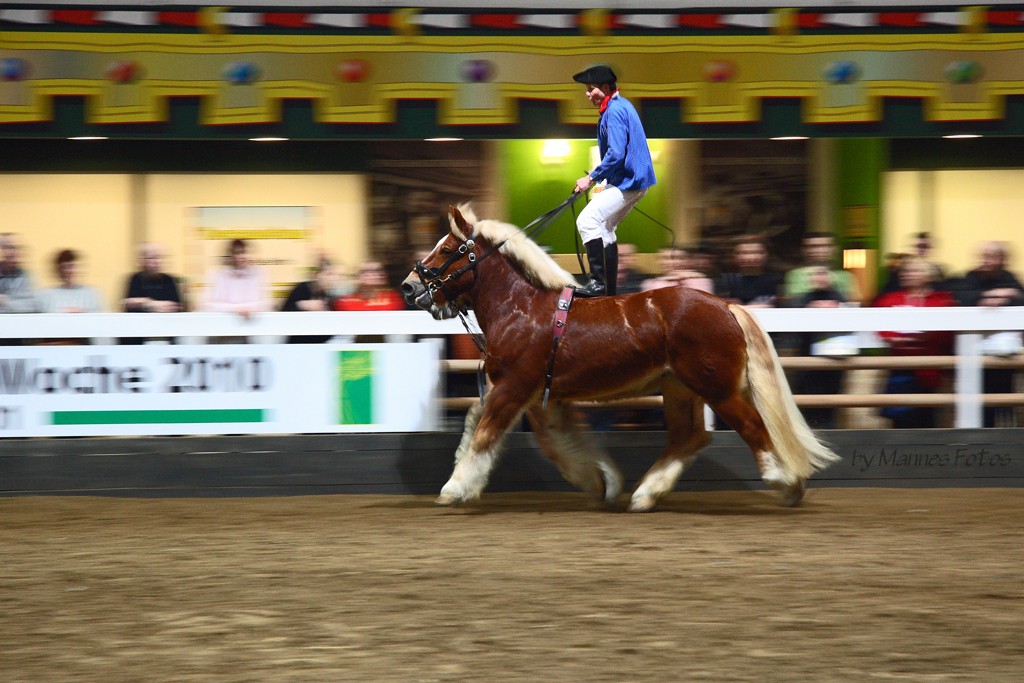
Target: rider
{"x": 626, "y": 166}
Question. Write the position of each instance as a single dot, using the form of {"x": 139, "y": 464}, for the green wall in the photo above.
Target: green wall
{"x": 860, "y": 164}
{"x": 532, "y": 188}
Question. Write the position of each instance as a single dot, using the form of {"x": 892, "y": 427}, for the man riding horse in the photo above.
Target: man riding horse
{"x": 626, "y": 166}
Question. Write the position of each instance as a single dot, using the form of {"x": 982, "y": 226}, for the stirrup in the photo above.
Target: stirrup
{"x": 592, "y": 289}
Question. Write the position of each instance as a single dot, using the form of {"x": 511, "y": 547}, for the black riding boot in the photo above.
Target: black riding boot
{"x": 611, "y": 267}
{"x": 595, "y": 257}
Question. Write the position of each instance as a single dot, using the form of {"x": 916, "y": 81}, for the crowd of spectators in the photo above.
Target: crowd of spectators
{"x": 745, "y": 276}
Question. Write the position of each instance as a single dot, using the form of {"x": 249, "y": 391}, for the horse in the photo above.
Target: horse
{"x": 692, "y": 346}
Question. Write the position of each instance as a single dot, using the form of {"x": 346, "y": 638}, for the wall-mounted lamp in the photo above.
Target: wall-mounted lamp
{"x": 855, "y": 258}
{"x": 555, "y": 151}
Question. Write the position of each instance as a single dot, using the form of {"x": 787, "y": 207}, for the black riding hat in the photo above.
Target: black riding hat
{"x": 598, "y": 74}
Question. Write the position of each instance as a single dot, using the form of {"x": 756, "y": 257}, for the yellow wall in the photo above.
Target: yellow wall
{"x": 340, "y": 200}
{"x": 960, "y": 208}
{"x": 88, "y": 213}
{"x": 104, "y": 216}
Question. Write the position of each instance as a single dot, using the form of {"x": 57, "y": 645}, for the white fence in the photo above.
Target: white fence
{"x": 971, "y": 326}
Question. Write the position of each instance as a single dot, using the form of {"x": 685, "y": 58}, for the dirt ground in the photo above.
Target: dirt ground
{"x": 857, "y": 585}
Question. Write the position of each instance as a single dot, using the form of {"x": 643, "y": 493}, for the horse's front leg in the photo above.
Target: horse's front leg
{"x": 472, "y": 420}
{"x": 481, "y": 444}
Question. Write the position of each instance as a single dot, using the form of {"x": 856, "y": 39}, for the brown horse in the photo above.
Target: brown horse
{"x": 692, "y": 346}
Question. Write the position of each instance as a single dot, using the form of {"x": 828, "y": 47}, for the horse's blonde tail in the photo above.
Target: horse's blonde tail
{"x": 798, "y": 450}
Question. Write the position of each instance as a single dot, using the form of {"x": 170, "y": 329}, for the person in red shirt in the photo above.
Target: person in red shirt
{"x": 916, "y": 289}
{"x": 372, "y": 292}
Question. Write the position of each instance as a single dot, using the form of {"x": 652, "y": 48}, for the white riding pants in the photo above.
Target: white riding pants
{"x": 605, "y": 211}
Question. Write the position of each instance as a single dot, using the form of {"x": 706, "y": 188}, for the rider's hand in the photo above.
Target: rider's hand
{"x": 583, "y": 184}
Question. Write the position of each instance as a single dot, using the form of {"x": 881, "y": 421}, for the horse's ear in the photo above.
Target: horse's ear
{"x": 458, "y": 222}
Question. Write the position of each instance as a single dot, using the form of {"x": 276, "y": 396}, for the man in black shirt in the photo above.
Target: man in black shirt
{"x": 150, "y": 290}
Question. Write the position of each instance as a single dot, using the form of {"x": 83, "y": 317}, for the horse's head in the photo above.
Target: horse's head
{"x": 438, "y": 281}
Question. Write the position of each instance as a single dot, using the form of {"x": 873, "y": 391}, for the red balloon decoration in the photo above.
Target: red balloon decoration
{"x": 123, "y": 71}
{"x": 720, "y": 70}
{"x": 353, "y": 70}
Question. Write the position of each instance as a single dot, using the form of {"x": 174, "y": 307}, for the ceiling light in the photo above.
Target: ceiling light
{"x": 268, "y": 139}
{"x": 443, "y": 139}
{"x": 961, "y": 136}
{"x": 89, "y": 137}
{"x": 789, "y": 137}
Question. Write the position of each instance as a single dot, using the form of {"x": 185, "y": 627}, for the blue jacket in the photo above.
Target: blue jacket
{"x": 625, "y": 158}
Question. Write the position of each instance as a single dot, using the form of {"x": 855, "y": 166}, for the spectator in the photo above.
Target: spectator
{"x": 676, "y": 270}
{"x": 820, "y": 294}
{"x": 16, "y": 292}
{"x": 239, "y": 287}
{"x": 150, "y": 290}
{"x": 630, "y": 280}
{"x": 317, "y": 294}
{"x": 921, "y": 247}
{"x": 893, "y": 262}
{"x": 819, "y": 250}
{"x": 751, "y": 284}
{"x": 917, "y": 281}
{"x": 69, "y": 296}
{"x": 704, "y": 259}
{"x": 372, "y": 292}
{"x": 991, "y": 284}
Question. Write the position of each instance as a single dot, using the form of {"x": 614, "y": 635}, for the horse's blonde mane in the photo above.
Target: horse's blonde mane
{"x": 537, "y": 266}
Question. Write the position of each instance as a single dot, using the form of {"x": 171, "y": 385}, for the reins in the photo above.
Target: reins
{"x": 435, "y": 278}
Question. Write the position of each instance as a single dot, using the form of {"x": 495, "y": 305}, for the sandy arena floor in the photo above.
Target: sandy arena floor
{"x": 858, "y": 585}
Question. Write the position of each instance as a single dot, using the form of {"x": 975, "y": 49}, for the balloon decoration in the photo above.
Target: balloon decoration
{"x": 353, "y": 70}
{"x": 13, "y": 69}
{"x": 477, "y": 71}
{"x": 241, "y": 73}
{"x": 720, "y": 70}
{"x": 963, "y": 71}
{"x": 123, "y": 71}
{"x": 843, "y": 71}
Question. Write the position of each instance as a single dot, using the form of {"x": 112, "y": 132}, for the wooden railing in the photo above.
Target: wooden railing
{"x": 815, "y": 400}
{"x": 969, "y": 324}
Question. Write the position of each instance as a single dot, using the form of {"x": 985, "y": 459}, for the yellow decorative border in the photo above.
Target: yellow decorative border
{"x": 527, "y": 67}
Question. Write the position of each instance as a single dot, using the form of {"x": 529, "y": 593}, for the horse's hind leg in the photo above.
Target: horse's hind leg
{"x": 481, "y": 443}
{"x": 740, "y": 413}
{"x": 580, "y": 460}
{"x": 684, "y": 415}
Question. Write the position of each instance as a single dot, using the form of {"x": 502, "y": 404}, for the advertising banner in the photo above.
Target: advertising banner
{"x": 219, "y": 389}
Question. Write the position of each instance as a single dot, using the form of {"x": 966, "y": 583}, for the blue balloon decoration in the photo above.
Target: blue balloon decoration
{"x": 241, "y": 73}
{"x": 13, "y": 69}
{"x": 843, "y": 71}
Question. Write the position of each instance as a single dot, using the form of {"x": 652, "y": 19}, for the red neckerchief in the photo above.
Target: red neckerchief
{"x": 606, "y": 100}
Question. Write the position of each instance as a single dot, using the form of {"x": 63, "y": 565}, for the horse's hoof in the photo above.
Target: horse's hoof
{"x": 642, "y": 504}
{"x": 792, "y": 495}
{"x": 447, "y": 500}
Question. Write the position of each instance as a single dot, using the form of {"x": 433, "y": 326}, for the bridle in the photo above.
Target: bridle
{"x": 434, "y": 279}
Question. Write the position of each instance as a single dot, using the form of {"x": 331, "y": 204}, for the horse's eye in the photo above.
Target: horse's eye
{"x": 446, "y": 251}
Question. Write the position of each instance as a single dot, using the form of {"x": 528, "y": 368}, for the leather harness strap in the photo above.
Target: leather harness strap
{"x": 557, "y": 329}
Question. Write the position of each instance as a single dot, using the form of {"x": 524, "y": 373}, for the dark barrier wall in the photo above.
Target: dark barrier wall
{"x": 421, "y": 463}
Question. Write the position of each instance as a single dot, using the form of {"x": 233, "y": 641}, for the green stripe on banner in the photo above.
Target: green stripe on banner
{"x": 136, "y": 417}
{"x": 356, "y": 377}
